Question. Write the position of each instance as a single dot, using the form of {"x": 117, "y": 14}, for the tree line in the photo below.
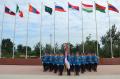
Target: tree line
{"x": 89, "y": 45}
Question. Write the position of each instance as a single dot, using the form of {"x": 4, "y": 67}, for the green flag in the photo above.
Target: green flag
{"x": 18, "y": 11}
{"x": 48, "y": 9}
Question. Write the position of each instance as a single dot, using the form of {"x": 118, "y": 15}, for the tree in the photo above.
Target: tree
{"x": 37, "y": 49}
{"x": 7, "y": 46}
{"x": 115, "y": 42}
{"x": 20, "y": 48}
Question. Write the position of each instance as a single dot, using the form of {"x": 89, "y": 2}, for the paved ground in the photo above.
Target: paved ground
{"x": 36, "y": 72}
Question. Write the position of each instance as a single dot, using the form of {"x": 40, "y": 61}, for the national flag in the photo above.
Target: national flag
{"x": 8, "y": 11}
{"x": 100, "y": 8}
{"x": 59, "y": 8}
{"x": 48, "y": 9}
{"x": 88, "y": 8}
{"x": 33, "y": 10}
{"x": 19, "y": 11}
{"x": 112, "y": 8}
{"x": 73, "y": 7}
{"x": 67, "y": 63}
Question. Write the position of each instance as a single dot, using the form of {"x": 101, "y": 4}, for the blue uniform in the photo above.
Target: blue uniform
{"x": 61, "y": 60}
{"x": 61, "y": 64}
{"x": 77, "y": 60}
{"x": 94, "y": 59}
{"x": 82, "y": 60}
{"x": 69, "y": 58}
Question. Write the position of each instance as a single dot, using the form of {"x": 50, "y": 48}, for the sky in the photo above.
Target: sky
{"x": 61, "y": 21}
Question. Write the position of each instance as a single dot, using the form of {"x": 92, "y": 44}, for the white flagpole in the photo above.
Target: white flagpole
{"x": 111, "y": 48}
{"x": 26, "y": 55}
{"x": 2, "y": 33}
{"x": 41, "y": 32}
{"x": 96, "y": 29}
{"x": 13, "y": 56}
{"x": 54, "y": 31}
{"x": 68, "y": 33}
{"x": 82, "y": 28}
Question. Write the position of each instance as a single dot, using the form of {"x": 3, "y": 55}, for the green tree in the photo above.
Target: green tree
{"x": 115, "y": 42}
{"x": 7, "y": 46}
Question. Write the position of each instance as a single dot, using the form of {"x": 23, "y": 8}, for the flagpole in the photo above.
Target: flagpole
{"x": 2, "y": 33}
{"x": 68, "y": 33}
{"x": 26, "y": 55}
{"x": 41, "y": 32}
{"x": 96, "y": 29}
{"x": 82, "y": 27}
{"x": 111, "y": 48}
{"x": 54, "y": 31}
{"x": 13, "y": 56}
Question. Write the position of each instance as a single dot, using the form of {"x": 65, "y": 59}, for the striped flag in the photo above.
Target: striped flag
{"x": 73, "y": 7}
{"x": 112, "y": 8}
{"x": 59, "y": 8}
{"x": 67, "y": 64}
{"x": 88, "y": 8}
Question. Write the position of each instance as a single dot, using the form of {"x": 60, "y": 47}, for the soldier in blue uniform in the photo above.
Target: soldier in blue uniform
{"x": 72, "y": 66}
{"x": 44, "y": 63}
{"x": 89, "y": 62}
{"x": 50, "y": 62}
{"x": 47, "y": 62}
{"x": 82, "y": 57}
{"x": 77, "y": 63}
{"x": 86, "y": 62}
{"x": 94, "y": 62}
{"x": 61, "y": 63}
{"x": 56, "y": 63}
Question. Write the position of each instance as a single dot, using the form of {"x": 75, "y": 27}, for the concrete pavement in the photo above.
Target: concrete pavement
{"x": 36, "y": 72}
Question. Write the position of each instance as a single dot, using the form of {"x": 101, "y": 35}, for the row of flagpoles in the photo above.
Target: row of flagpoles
{"x": 84, "y": 7}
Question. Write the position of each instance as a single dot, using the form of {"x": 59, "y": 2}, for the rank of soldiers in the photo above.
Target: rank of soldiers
{"x": 78, "y": 63}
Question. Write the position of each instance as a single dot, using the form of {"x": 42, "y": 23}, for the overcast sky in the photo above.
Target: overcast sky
{"x": 61, "y": 21}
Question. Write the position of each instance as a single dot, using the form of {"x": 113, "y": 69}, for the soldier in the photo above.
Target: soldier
{"x": 44, "y": 62}
{"x": 94, "y": 62}
{"x": 82, "y": 57}
{"x": 89, "y": 62}
{"x": 61, "y": 63}
{"x": 77, "y": 63}
{"x": 72, "y": 66}
{"x": 56, "y": 63}
{"x": 47, "y": 61}
{"x": 86, "y": 62}
{"x": 50, "y": 62}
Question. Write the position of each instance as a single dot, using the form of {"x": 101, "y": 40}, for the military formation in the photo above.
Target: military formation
{"x": 79, "y": 63}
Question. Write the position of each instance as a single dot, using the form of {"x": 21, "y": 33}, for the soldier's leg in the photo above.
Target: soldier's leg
{"x": 82, "y": 68}
{"x": 43, "y": 66}
{"x": 55, "y": 68}
{"x": 95, "y": 67}
{"x": 61, "y": 67}
{"x": 68, "y": 72}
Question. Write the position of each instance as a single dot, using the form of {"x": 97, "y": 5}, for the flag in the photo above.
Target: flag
{"x": 88, "y": 8}
{"x": 19, "y": 11}
{"x": 59, "y": 8}
{"x": 67, "y": 63}
{"x": 73, "y": 7}
{"x": 100, "y": 8}
{"x": 8, "y": 11}
{"x": 48, "y": 9}
{"x": 112, "y": 8}
{"x": 33, "y": 10}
